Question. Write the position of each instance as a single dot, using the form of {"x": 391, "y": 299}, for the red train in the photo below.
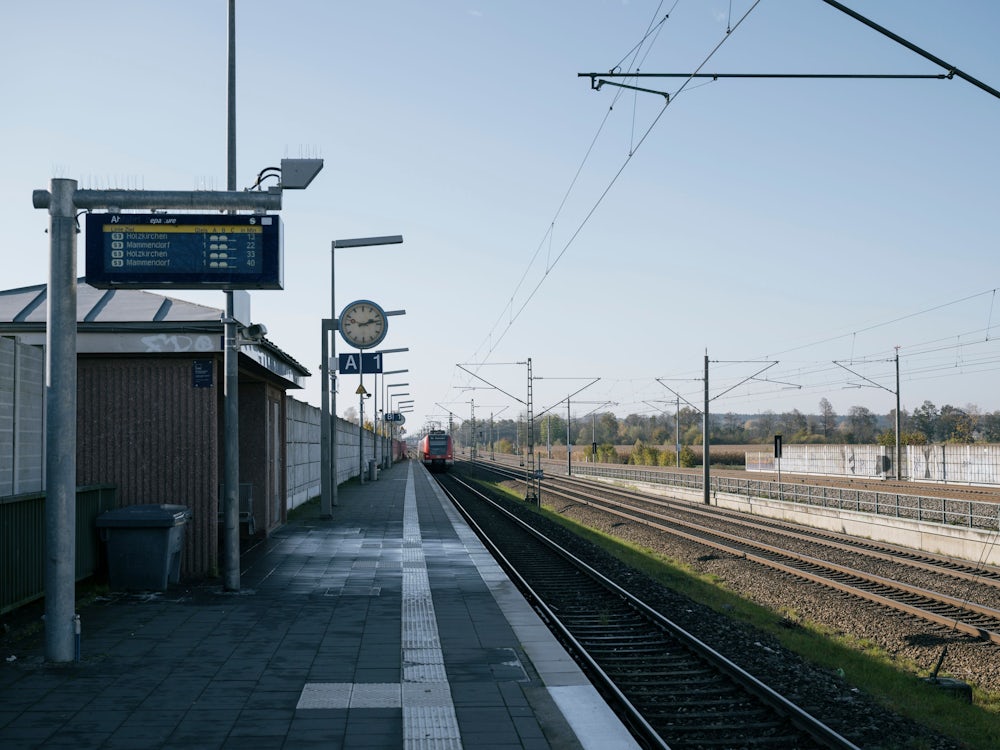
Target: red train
{"x": 435, "y": 451}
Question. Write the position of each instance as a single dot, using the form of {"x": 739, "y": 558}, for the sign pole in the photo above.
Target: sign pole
{"x": 361, "y": 417}
{"x": 777, "y": 456}
{"x": 60, "y": 433}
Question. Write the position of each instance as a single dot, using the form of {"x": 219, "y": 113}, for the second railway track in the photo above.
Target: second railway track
{"x": 970, "y": 606}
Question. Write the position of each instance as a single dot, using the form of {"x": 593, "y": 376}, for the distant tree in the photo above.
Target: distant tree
{"x": 828, "y": 418}
{"x": 691, "y": 436}
{"x": 958, "y": 425}
{"x": 668, "y": 457}
{"x": 688, "y": 457}
{"x": 644, "y": 455}
{"x": 764, "y": 426}
{"x": 607, "y": 427}
{"x": 814, "y": 426}
{"x": 661, "y": 430}
{"x": 925, "y": 419}
{"x": 989, "y": 427}
{"x": 503, "y": 445}
{"x": 607, "y": 454}
{"x": 861, "y": 424}
{"x": 794, "y": 423}
{"x": 912, "y": 437}
{"x": 689, "y": 418}
{"x": 732, "y": 429}
{"x": 351, "y": 415}
{"x": 954, "y": 425}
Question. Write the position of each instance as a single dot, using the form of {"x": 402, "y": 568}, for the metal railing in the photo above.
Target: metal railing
{"x": 22, "y": 542}
{"x": 973, "y": 514}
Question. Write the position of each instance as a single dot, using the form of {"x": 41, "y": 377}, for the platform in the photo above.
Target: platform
{"x": 388, "y": 626}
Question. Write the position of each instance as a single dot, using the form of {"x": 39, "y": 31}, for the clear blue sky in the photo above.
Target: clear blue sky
{"x": 801, "y": 221}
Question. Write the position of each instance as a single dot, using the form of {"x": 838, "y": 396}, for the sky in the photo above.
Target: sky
{"x": 797, "y": 232}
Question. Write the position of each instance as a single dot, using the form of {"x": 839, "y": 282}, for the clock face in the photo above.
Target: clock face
{"x": 363, "y": 324}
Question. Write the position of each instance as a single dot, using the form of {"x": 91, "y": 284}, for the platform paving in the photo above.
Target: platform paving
{"x": 386, "y": 626}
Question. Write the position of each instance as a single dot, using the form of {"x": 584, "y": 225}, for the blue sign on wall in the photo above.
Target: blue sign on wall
{"x": 201, "y": 373}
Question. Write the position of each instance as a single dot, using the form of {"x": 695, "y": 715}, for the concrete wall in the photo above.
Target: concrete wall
{"x": 977, "y": 463}
{"x": 303, "y": 430}
{"x": 302, "y": 456}
{"x": 22, "y": 417}
{"x": 864, "y": 461}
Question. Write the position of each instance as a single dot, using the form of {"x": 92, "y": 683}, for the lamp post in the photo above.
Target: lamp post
{"x": 387, "y": 408}
{"x": 328, "y": 424}
{"x": 399, "y": 406}
{"x": 376, "y": 447}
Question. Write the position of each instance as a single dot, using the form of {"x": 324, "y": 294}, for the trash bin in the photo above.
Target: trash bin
{"x": 144, "y": 545}
{"x": 372, "y": 470}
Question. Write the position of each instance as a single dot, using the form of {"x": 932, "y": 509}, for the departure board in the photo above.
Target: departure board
{"x": 184, "y": 251}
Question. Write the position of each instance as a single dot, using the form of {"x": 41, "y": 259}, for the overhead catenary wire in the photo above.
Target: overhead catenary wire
{"x": 548, "y": 237}
{"x": 514, "y": 307}
{"x": 600, "y": 199}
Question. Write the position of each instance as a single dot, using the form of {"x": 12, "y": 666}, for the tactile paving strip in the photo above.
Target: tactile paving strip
{"x": 429, "y": 720}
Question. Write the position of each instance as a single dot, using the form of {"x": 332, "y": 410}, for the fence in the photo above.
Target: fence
{"x": 974, "y": 514}
{"x": 22, "y": 542}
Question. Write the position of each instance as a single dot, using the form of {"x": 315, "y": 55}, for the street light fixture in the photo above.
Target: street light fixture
{"x": 395, "y": 405}
{"x": 328, "y": 424}
{"x": 387, "y": 453}
{"x": 375, "y": 440}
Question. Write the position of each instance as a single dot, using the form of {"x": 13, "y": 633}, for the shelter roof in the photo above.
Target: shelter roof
{"x": 24, "y": 311}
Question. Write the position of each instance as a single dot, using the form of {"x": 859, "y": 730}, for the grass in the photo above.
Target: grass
{"x": 897, "y": 684}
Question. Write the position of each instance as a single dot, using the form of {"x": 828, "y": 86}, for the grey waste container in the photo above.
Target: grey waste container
{"x": 144, "y": 545}
{"x": 372, "y": 470}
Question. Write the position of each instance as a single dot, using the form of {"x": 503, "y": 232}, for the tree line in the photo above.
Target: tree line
{"x": 925, "y": 424}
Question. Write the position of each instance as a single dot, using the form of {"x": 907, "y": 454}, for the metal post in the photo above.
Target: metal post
{"x": 60, "y": 430}
{"x": 677, "y": 432}
{"x": 324, "y": 423}
{"x": 231, "y": 353}
{"x": 899, "y": 455}
{"x": 548, "y": 437}
{"x": 231, "y": 103}
{"x": 231, "y": 470}
{"x": 593, "y": 436}
{"x": 472, "y": 419}
{"x": 705, "y": 473}
{"x": 332, "y": 416}
{"x": 569, "y": 445}
{"x": 361, "y": 433}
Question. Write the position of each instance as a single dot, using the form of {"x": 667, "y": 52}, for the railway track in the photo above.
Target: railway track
{"x": 930, "y": 489}
{"x": 674, "y": 690}
{"x": 811, "y": 555}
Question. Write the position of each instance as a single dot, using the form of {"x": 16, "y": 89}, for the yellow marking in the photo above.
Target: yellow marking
{"x": 187, "y": 229}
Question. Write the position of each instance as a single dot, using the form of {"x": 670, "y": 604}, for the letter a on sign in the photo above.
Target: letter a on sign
{"x": 349, "y": 363}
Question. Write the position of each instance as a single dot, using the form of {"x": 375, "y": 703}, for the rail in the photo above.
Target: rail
{"x": 973, "y": 514}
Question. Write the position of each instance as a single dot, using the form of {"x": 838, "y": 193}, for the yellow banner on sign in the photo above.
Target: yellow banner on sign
{"x": 184, "y": 229}
{"x": 361, "y": 391}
